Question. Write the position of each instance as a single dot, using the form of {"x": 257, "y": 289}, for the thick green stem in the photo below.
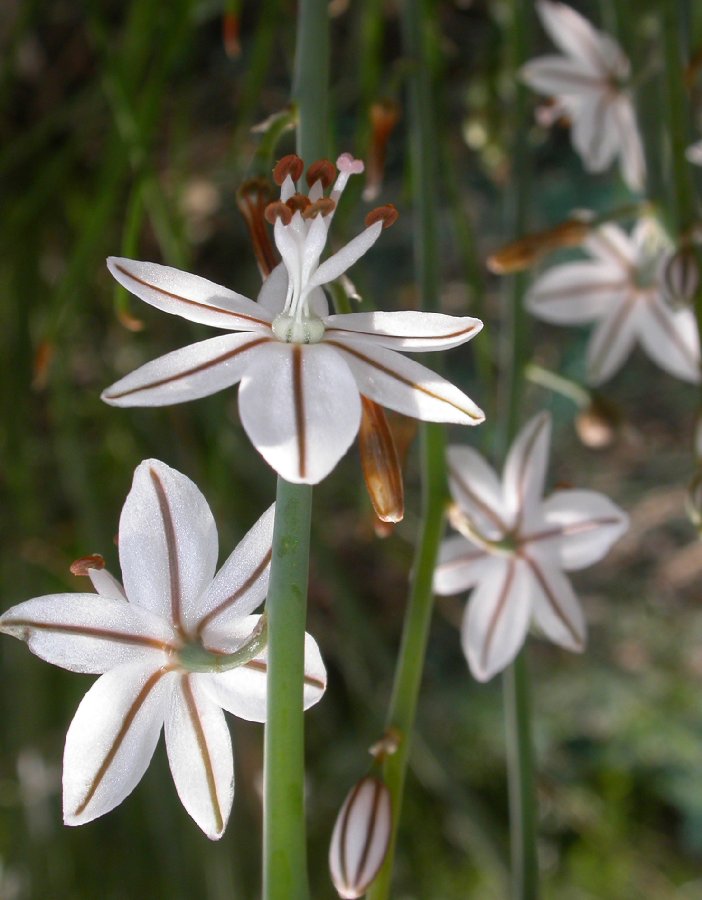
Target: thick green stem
{"x": 284, "y": 840}
{"x": 284, "y": 845}
{"x": 410, "y": 664}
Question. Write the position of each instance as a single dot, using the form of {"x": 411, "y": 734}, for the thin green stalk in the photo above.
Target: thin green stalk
{"x": 408, "y": 673}
{"x": 284, "y": 838}
{"x": 284, "y": 844}
{"x": 520, "y": 764}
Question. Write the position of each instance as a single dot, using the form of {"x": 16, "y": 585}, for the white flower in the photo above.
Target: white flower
{"x": 155, "y": 644}
{"x": 302, "y": 371}
{"x": 514, "y": 548}
{"x": 694, "y": 153}
{"x": 588, "y": 85}
{"x": 620, "y": 288}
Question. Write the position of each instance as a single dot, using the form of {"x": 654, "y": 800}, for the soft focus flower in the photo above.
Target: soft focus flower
{"x": 159, "y": 644}
{"x": 620, "y": 289}
{"x": 302, "y": 371}
{"x": 694, "y": 153}
{"x": 588, "y": 83}
{"x": 514, "y": 548}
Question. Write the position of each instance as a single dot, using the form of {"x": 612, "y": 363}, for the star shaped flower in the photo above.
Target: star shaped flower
{"x": 302, "y": 370}
{"x": 160, "y": 645}
{"x": 514, "y": 547}
{"x": 620, "y": 288}
{"x": 588, "y": 83}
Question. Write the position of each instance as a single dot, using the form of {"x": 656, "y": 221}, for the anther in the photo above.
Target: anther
{"x": 298, "y": 202}
{"x": 324, "y": 205}
{"x": 83, "y": 565}
{"x": 278, "y": 210}
{"x": 323, "y": 170}
{"x": 386, "y": 214}
{"x": 290, "y": 165}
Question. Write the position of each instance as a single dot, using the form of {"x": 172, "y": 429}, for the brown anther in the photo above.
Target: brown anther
{"x": 298, "y": 202}
{"x": 83, "y": 565}
{"x": 525, "y": 251}
{"x": 252, "y": 199}
{"x": 278, "y": 210}
{"x": 386, "y": 214}
{"x": 324, "y": 205}
{"x": 290, "y": 165}
{"x": 323, "y": 171}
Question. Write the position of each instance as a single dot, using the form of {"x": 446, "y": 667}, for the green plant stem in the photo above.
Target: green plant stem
{"x": 284, "y": 839}
{"x": 410, "y": 663}
{"x": 520, "y": 764}
{"x": 284, "y": 845}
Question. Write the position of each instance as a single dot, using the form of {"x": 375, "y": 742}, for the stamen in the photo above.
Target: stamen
{"x": 384, "y": 116}
{"x": 323, "y": 171}
{"x": 290, "y": 165}
{"x": 348, "y": 165}
{"x": 298, "y": 202}
{"x": 252, "y": 199}
{"x": 82, "y": 566}
{"x": 278, "y": 210}
{"x": 387, "y": 214}
{"x": 324, "y": 205}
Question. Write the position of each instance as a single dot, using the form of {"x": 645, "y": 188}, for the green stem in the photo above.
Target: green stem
{"x": 408, "y": 673}
{"x": 284, "y": 845}
{"x": 520, "y": 764}
{"x": 284, "y": 833}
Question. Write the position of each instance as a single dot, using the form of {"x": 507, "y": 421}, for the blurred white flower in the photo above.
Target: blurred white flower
{"x": 302, "y": 371}
{"x": 159, "y": 645}
{"x": 514, "y": 548}
{"x": 694, "y": 153}
{"x": 588, "y": 84}
{"x": 621, "y": 289}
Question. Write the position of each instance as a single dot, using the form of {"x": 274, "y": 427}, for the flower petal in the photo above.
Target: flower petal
{"x": 189, "y": 296}
{"x": 612, "y": 340}
{"x": 200, "y": 756}
{"x": 242, "y": 691}
{"x": 497, "y": 618}
{"x": 189, "y": 373}
{"x": 167, "y": 543}
{"x": 478, "y": 491}
{"x": 631, "y": 154}
{"x": 611, "y": 244}
{"x": 525, "y": 468}
{"x": 694, "y": 153}
{"x": 241, "y": 584}
{"x": 275, "y": 288}
{"x": 413, "y": 331}
{"x": 404, "y": 385}
{"x": 106, "y": 584}
{"x": 460, "y": 566}
{"x": 579, "y": 528}
{"x": 343, "y": 259}
{"x": 574, "y": 35}
{"x": 112, "y": 738}
{"x": 556, "y": 609}
{"x": 576, "y": 292}
{"x": 671, "y": 339}
{"x": 556, "y": 76}
{"x": 300, "y": 407}
{"x": 88, "y": 633}
{"x": 593, "y": 133}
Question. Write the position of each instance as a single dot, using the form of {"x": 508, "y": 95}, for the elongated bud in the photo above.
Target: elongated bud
{"x": 680, "y": 278}
{"x": 380, "y": 463}
{"x": 526, "y": 251}
{"x": 384, "y": 116}
{"x": 252, "y": 199}
{"x": 361, "y": 837}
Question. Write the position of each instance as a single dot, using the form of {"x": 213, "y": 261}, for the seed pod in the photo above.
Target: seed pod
{"x": 681, "y": 277}
{"x": 361, "y": 837}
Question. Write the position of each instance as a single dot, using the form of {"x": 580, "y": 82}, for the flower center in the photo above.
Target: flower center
{"x": 298, "y": 329}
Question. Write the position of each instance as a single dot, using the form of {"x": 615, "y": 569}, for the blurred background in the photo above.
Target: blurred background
{"x": 126, "y": 128}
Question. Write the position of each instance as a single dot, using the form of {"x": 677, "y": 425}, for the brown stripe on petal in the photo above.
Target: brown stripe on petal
{"x": 195, "y": 303}
{"x": 551, "y": 597}
{"x": 171, "y": 550}
{"x": 121, "y": 734}
{"x": 378, "y": 788}
{"x": 486, "y": 510}
{"x": 425, "y": 337}
{"x": 408, "y": 381}
{"x": 522, "y": 473}
{"x": 260, "y": 665}
{"x": 573, "y": 528}
{"x": 497, "y": 613}
{"x": 205, "y": 754}
{"x": 666, "y": 326}
{"x": 616, "y": 325}
{"x": 202, "y": 367}
{"x": 580, "y": 290}
{"x": 239, "y": 592}
{"x": 101, "y": 634}
{"x": 299, "y": 404}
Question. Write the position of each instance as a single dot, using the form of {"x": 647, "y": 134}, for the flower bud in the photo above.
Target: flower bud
{"x": 597, "y": 423}
{"x": 380, "y": 463}
{"x": 680, "y": 278}
{"x": 528, "y": 250}
{"x": 361, "y": 837}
